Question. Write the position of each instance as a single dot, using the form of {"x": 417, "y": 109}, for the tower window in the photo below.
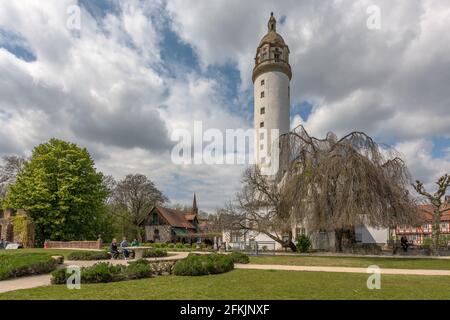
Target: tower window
{"x": 277, "y": 56}
{"x": 262, "y": 94}
{"x": 263, "y": 110}
{"x": 261, "y": 125}
{"x": 261, "y": 147}
{"x": 262, "y": 82}
{"x": 261, "y": 136}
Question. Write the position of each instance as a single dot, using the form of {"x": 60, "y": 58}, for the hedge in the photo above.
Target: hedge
{"x": 198, "y": 265}
{"x": 104, "y": 272}
{"x": 239, "y": 257}
{"x": 154, "y": 253}
{"x": 88, "y": 255}
{"x": 19, "y": 265}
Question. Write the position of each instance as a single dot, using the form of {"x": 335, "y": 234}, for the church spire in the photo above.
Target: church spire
{"x": 194, "y": 205}
{"x": 272, "y": 24}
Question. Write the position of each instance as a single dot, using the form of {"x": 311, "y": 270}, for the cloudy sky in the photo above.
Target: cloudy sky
{"x": 137, "y": 70}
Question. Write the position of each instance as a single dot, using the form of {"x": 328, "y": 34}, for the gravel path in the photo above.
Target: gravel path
{"x": 420, "y": 272}
{"x": 44, "y": 280}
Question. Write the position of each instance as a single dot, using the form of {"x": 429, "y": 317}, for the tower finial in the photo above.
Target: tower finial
{"x": 272, "y": 25}
{"x": 194, "y": 205}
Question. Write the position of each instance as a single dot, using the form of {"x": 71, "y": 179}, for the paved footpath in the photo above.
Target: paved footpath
{"x": 419, "y": 272}
{"x": 44, "y": 280}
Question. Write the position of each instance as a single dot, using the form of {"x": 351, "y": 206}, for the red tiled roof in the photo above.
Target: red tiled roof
{"x": 190, "y": 216}
{"x": 174, "y": 217}
{"x": 427, "y": 212}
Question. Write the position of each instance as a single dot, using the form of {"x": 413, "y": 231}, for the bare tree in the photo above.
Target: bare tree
{"x": 134, "y": 196}
{"x": 12, "y": 165}
{"x": 439, "y": 207}
{"x": 330, "y": 184}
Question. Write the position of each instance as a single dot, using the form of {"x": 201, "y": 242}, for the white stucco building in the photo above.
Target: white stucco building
{"x": 271, "y": 80}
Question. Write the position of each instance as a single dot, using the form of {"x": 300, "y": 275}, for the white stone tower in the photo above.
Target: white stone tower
{"x": 271, "y": 80}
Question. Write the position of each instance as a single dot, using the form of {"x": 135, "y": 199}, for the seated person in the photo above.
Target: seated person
{"x": 114, "y": 250}
{"x": 135, "y": 243}
{"x": 123, "y": 245}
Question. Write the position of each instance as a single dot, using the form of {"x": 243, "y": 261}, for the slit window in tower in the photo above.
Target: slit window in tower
{"x": 262, "y": 94}
{"x": 262, "y": 82}
{"x": 263, "y": 110}
{"x": 261, "y": 125}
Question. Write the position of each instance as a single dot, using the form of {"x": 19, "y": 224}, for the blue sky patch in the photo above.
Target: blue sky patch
{"x": 17, "y": 45}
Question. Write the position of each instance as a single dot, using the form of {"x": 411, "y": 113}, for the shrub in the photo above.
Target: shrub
{"x": 303, "y": 243}
{"x": 59, "y": 276}
{"x": 88, "y": 255}
{"x": 170, "y": 245}
{"x": 139, "y": 269}
{"x": 19, "y": 265}
{"x": 102, "y": 272}
{"x": 239, "y": 257}
{"x": 427, "y": 242}
{"x": 197, "y": 265}
{"x": 188, "y": 246}
{"x": 154, "y": 253}
{"x": 179, "y": 245}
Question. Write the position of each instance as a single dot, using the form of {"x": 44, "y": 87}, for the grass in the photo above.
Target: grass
{"x": 363, "y": 262}
{"x": 51, "y": 252}
{"x": 252, "y": 284}
{"x": 18, "y": 265}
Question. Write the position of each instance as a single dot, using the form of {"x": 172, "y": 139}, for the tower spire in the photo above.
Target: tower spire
{"x": 194, "y": 205}
{"x": 272, "y": 24}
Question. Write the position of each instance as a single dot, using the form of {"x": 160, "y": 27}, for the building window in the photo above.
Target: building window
{"x": 261, "y": 125}
{"x": 263, "y": 110}
{"x": 262, "y": 94}
{"x": 277, "y": 56}
{"x": 261, "y": 147}
{"x": 261, "y": 136}
{"x": 155, "y": 219}
{"x": 262, "y": 82}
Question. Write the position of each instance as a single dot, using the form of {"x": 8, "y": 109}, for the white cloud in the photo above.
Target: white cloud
{"x": 102, "y": 87}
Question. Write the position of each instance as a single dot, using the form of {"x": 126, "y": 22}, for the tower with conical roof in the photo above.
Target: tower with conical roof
{"x": 271, "y": 80}
{"x": 194, "y": 205}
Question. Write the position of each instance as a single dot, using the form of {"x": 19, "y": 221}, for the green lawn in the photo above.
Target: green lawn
{"x": 24, "y": 264}
{"x": 363, "y": 262}
{"x": 252, "y": 284}
{"x": 52, "y": 252}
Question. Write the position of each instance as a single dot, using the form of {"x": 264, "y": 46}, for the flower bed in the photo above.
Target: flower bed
{"x": 198, "y": 265}
{"x": 18, "y": 265}
{"x": 104, "y": 272}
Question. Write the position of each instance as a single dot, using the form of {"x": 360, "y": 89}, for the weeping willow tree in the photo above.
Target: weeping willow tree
{"x": 327, "y": 184}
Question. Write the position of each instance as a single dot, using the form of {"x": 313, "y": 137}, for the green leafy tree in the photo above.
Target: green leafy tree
{"x": 62, "y": 191}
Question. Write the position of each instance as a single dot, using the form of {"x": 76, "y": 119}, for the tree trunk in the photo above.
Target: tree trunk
{"x": 338, "y": 233}
{"x": 436, "y": 230}
{"x": 344, "y": 238}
